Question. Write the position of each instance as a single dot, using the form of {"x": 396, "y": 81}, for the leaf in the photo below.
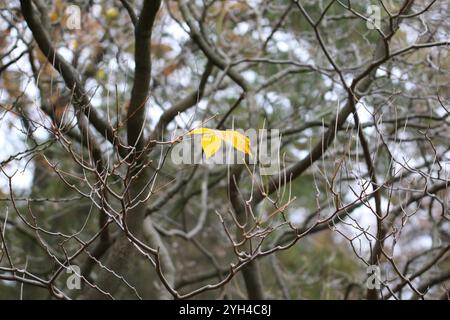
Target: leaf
{"x": 100, "y": 74}
{"x": 238, "y": 140}
{"x": 211, "y": 144}
{"x": 112, "y": 13}
{"x": 212, "y": 140}
{"x": 203, "y": 131}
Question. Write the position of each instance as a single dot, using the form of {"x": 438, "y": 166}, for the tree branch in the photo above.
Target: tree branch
{"x": 142, "y": 74}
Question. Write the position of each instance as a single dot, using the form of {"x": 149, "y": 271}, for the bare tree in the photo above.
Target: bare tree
{"x": 98, "y": 98}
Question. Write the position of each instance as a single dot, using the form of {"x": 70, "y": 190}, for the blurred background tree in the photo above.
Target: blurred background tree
{"x": 89, "y": 113}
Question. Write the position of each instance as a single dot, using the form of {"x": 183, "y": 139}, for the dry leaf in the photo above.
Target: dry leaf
{"x": 212, "y": 140}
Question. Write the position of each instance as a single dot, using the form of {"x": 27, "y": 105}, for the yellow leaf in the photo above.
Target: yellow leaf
{"x": 211, "y": 144}
{"x": 202, "y": 131}
{"x": 238, "y": 140}
{"x": 74, "y": 44}
{"x": 112, "y": 13}
{"x": 212, "y": 140}
{"x": 100, "y": 74}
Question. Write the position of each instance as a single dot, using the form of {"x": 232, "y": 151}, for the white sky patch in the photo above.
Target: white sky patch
{"x": 282, "y": 41}
{"x": 268, "y": 108}
{"x": 242, "y": 28}
{"x": 250, "y": 76}
{"x": 154, "y": 112}
{"x": 380, "y": 72}
{"x": 96, "y": 10}
{"x": 263, "y": 33}
{"x": 29, "y": 88}
{"x": 283, "y": 46}
{"x": 366, "y": 219}
{"x": 421, "y": 243}
{"x": 22, "y": 177}
{"x": 300, "y": 154}
{"x": 275, "y": 97}
{"x": 95, "y": 92}
{"x": 410, "y": 85}
{"x": 202, "y": 104}
{"x": 411, "y": 33}
{"x": 176, "y": 31}
{"x": 403, "y": 154}
{"x": 12, "y": 144}
{"x": 184, "y": 76}
{"x": 297, "y": 216}
{"x": 262, "y": 101}
{"x": 41, "y": 123}
{"x": 302, "y": 54}
{"x": 364, "y": 112}
{"x": 229, "y": 92}
{"x": 348, "y": 78}
{"x": 331, "y": 96}
{"x": 66, "y": 53}
{"x": 183, "y": 119}
{"x": 397, "y": 75}
{"x": 112, "y": 66}
{"x": 327, "y": 81}
{"x": 308, "y": 132}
